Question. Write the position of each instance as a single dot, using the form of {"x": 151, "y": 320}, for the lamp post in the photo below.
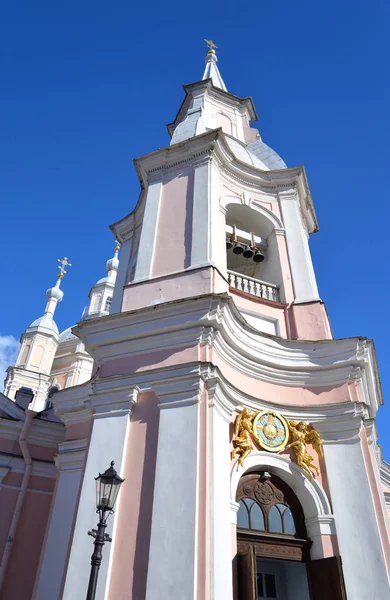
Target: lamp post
{"x": 107, "y": 489}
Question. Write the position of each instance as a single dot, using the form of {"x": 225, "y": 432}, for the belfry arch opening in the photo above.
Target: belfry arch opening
{"x": 252, "y": 255}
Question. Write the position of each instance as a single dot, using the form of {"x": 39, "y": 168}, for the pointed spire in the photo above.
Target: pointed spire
{"x": 211, "y": 71}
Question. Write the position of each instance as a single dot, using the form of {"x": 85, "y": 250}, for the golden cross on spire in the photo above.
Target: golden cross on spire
{"x": 64, "y": 263}
{"x": 211, "y": 45}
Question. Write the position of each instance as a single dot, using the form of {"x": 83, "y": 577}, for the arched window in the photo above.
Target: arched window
{"x": 267, "y": 504}
{"x": 108, "y": 304}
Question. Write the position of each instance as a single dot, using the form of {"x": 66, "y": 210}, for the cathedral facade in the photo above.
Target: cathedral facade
{"x": 206, "y": 368}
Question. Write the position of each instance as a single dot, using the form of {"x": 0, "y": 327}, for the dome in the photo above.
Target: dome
{"x": 54, "y": 292}
{"x": 268, "y": 156}
{"x": 46, "y": 324}
{"x": 112, "y": 264}
{"x": 242, "y": 153}
{"x": 67, "y": 335}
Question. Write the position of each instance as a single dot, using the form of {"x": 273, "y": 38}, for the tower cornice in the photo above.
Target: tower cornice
{"x": 214, "y": 321}
{"x": 206, "y": 86}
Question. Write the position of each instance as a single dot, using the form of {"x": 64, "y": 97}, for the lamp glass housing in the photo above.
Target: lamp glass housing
{"x": 107, "y": 488}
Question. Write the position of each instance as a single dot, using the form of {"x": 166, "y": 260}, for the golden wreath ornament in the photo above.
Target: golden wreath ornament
{"x": 270, "y": 431}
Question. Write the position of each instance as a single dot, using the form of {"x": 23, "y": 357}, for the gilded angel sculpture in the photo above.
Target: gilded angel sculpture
{"x": 243, "y": 432}
{"x": 301, "y": 437}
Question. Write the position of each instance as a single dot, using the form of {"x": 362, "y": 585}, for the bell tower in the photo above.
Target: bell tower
{"x": 38, "y": 347}
{"x": 216, "y": 313}
{"x": 218, "y": 209}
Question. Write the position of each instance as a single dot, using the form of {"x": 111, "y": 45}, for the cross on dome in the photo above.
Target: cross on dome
{"x": 64, "y": 263}
{"x": 211, "y": 45}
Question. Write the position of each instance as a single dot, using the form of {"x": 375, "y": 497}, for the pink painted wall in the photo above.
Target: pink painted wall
{"x": 250, "y": 134}
{"x": 146, "y": 361}
{"x": 282, "y": 394}
{"x": 184, "y": 285}
{"x": 8, "y": 497}
{"x": 173, "y": 239}
{"x": 310, "y": 321}
{"x": 23, "y": 563}
{"x": 260, "y": 307}
{"x": 132, "y": 537}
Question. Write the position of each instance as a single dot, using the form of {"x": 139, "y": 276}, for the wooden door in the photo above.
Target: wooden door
{"x": 326, "y": 579}
{"x": 246, "y": 571}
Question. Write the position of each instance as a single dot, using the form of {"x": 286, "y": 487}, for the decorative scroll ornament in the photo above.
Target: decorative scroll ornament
{"x": 300, "y": 438}
{"x": 270, "y": 431}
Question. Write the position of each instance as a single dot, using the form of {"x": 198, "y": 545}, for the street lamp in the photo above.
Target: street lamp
{"x": 107, "y": 489}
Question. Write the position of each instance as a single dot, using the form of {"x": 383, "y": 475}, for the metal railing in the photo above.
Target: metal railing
{"x": 255, "y": 287}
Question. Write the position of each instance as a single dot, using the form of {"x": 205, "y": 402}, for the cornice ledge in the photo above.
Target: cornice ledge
{"x": 71, "y": 455}
{"x": 114, "y": 402}
{"x": 218, "y": 398}
{"x": 344, "y": 427}
{"x": 385, "y": 472}
{"x": 321, "y": 525}
{"x": 71, "y": 404}
{"x": 185, "y": 391}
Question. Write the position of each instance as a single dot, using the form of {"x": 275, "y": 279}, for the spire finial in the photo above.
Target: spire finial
{"x": 211, "y": 71}
{"x": 117, "y": 246}
{"x": 64, "y": 263}
{"x": 211, "y": 46}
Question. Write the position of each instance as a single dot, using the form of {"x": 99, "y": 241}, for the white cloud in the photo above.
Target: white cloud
{"x": 9, "y": 348}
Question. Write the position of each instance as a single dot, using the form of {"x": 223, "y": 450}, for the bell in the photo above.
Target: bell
{"x": 238, "y": 248}
{"x": 248, "y": 252}
{"x": 258, "y": 256}
{"x": 229, "y": 244}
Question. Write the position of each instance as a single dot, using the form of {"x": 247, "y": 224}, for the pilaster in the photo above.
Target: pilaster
{"x": 107, "y": 442}
{"x": 172, "y": 571}
{"x": 69, "y": 461}
{"x": 304, "y": 281}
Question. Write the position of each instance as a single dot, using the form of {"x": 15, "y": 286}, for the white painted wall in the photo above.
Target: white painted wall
{"x": 304, "y": 281}
{"x": 70, "y": 463}
{"x": 200, "y": 216}
{"x": 261, "y": 323}
{"x": 173, "y": 544}
{"x": 108, "y": 442}
{"x": 358, "y": 537}
{"x": 120, "y": 281}
{"x": 221, "y": 538}
{"x": 148, "y": 233}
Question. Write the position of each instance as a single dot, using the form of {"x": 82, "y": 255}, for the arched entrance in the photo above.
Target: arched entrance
{"x": 274, "y": 558}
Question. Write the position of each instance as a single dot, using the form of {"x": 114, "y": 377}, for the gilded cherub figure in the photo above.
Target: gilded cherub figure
{"x": 300, "y": 438}
{"x": 243, "y": 432}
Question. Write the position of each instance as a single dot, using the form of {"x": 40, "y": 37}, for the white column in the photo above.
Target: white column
{"x": 356, "y": 524}
{"x": 108, "y": 442}
{"x": 221, "y": 576}
{"x": 172, "y": 569}
{"x": 304, "y": 280}
{"x": 69, "y": 461}
{"x": 148, "y": 233}
{"x": 200, "y": 251}
{"x": 120, "y": 281}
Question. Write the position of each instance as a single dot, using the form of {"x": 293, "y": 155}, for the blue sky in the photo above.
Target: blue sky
{"x": 88, "y": 86}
